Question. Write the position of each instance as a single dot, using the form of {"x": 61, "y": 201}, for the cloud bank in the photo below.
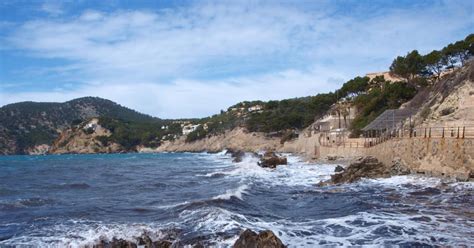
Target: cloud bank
{"x": 194, "y": 60}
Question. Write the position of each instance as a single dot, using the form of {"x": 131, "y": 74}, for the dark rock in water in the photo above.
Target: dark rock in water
{"x": 161, "y": 244}
{"x": 365, "y": 167}
{"x": 265, "y": 239}
{"x": 116, "y": 243}
{"x": 236, "y": 154}
{"x": 339, "y": 169}
{"x": 271, "y": 160}
{"x": 143, "y": 241}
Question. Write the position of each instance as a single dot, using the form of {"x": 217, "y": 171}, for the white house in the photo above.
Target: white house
{"x": 255, "y": 108}
{"x": 190, "y": 128}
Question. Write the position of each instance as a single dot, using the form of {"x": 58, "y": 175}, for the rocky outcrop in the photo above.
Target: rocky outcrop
{"x": 365, "y": 167}
{"x": 339, "y": 169}
{"x": 235, "y": 139}
{"x": 271, "y": 160}
{"x": 264, "y": 239}
{"x": 143, "y": 241}
{"x": 237, "y": 155}
{"x": 84, "y": 138}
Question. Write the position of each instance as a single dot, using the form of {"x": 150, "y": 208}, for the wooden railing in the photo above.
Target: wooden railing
{"x": 374, "y": 138}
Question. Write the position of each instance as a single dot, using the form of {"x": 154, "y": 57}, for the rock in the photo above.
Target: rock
{"x": 332, "y": 158}
{"x": 271, "y": 160}
{"x": 236, "y": 154}
{"x": 365, "y": 167}
{"x": 161, "y": 244}
{"x": 143, "y": 241}
{"x": 265, "y": 239}
{"x": 116, "y": 243}
{"x": 339, "y": 169}
{"x": 398, "y": 168}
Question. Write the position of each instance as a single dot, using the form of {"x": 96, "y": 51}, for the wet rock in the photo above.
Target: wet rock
{"x": 265, "y": 239}
{"x": 237, "y": 155}
{"x": 271, "y": 160}
{"x": 339, "y": 169}
{"x": 161, "y": 244}
{"x": 115, "y": 243}
{"x": 142, "y": 241}
{"x": 398, "y": 168}
{"x": 365, "y": 167}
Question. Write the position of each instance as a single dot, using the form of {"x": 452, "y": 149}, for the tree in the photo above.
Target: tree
{"x": 434, "y": 63}
{"x": 470, "y": 44}
{"x": 449, "y": 55}
{"x": 353, "y": 87}
{"x": 408, "y": 67}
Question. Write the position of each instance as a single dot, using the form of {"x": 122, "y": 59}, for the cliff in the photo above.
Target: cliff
{"x": 25, "y": 126}
{"x": 237, "y": 139}
{"x": 84, "y": 138}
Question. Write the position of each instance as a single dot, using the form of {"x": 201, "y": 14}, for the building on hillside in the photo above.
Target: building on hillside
{"x": 339, "y": 117}
{"x": 190, "y": 128}
{"x": 255, "y": 108}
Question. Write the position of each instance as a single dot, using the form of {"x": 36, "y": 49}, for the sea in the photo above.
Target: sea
{"x": 78, "y": 200}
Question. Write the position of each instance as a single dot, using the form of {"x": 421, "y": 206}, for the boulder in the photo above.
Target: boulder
{"x": 339, "y": 169}
{"x": 115, "y": 243}
{"x": 265, "y": 239}
{"x": 237, "y": 155}
{"x": 142, "y": 241}
{"x": 271, "y": 160}
{"x": 365, "y": 167}
{"x": 398, "y": 168}
{"x": 161, "y": 244}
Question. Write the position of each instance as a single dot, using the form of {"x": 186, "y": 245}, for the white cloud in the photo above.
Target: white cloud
{"x": 191, "y": 62}
{"x": 192, "y": 98}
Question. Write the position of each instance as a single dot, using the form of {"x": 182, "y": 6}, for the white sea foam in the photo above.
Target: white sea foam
{"x": 238, "y": 192}
{"x": 296, "y": 173}
{"x": 78, "y": 233}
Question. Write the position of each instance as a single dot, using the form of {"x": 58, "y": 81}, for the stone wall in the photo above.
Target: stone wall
{"x": 434, "y": 156}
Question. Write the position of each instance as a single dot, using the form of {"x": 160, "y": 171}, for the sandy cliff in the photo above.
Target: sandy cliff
{"x": 238, "y": 139}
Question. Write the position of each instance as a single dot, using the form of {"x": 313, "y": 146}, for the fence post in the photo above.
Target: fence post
{"x": 429, "y": 135}
{"x": 425, "y": 132}
{"x": 463, "y": 131}
{"x": 442, "y": 135}
{"x": 458, "y": 134}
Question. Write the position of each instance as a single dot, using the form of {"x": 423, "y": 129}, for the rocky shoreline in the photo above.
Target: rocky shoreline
{"x": 247, "y": 239}
{"x": 365, "y": 167}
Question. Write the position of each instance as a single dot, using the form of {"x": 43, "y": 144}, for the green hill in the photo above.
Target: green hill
{"x": 26, "y": 124}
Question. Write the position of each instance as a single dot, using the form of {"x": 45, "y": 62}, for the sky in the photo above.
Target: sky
{"x": 188, "y": 59}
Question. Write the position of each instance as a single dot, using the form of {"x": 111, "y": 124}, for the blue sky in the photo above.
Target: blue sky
{"x": 193, "y": 58}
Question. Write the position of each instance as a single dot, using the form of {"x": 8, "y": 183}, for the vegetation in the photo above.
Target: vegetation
{"x": 26, "y": 124}
{"x": 377, "y": 100}
{"x": 414, "y": 66}
{"x": 130, "y": 134}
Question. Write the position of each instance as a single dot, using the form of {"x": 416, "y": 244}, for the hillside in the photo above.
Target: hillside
{"x": 26, "y": 124}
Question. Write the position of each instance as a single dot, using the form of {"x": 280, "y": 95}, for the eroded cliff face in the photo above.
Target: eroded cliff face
{"x": 84, "y": 139}
{"x": 450, "y": 102}
{"x": 237, "y": 139}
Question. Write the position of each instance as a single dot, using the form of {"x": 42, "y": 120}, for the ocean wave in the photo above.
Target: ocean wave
{"x": 238, "y": 192}
{"x": 25, "y": 203}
